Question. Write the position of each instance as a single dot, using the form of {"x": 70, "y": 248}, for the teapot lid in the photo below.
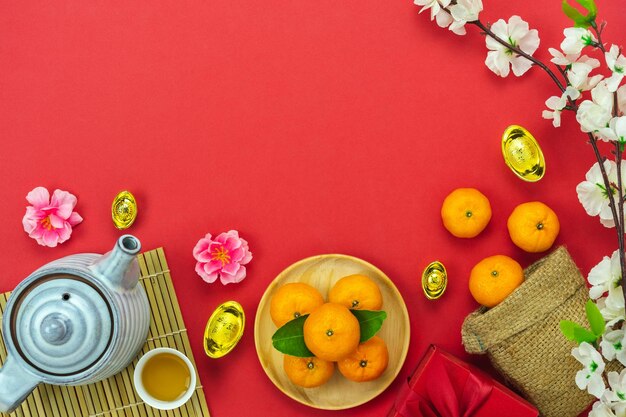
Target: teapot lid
{"x": 61, "y": 324}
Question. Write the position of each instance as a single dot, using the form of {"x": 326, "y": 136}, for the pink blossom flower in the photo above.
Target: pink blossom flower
{"x": 50, "y": 220}
{"x": 223, "y": 257}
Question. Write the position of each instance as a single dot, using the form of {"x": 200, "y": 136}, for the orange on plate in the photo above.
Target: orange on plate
{"x": 367, "y": 362}
{"x": 357, "y": 292}
{"x": 494, "y": 278}
{"x": 308, "y": 372}
{"x": 465, "y": 212}
{"x": 331, "y": 332}
{"x": 339, "y": 393}
{"x": 292, "y": 301}
{"x": 533, "y": 226}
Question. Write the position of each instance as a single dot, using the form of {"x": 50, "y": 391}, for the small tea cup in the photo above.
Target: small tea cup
{"x": 150, "y": 399}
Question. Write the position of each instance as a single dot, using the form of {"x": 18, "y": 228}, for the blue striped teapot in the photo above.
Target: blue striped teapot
{"x": 74, "y": 321}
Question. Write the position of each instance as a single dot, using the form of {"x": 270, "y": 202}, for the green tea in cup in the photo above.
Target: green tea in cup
{"x": 165, "y": 378}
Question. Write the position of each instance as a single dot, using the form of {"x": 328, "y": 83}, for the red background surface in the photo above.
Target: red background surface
{"x": 311, "y": 127}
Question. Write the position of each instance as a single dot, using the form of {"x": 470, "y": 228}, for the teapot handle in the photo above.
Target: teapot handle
{"x": 15, "y": 385}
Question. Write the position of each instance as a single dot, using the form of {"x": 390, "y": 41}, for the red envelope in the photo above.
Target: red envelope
{"x": 444, "y": 386}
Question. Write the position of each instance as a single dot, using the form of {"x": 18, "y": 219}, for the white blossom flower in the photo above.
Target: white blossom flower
{"x": 621, "y": 99}
{"x": 604, "y": 276}
{"x": 578, "y": 69}
{"x": 601, "y": 409}
{"x": 556, "y": 105}
{"x": 617, "y": 64}
{"x": 516, "y": 32}
{"x": 578, "y": 73}
{"x": 613, "y": 346}
{"x": 618, "y": 410}
{"x": 609, "y": 223}
{"x": 435, "y": 6}
{"x": 559, "y": 58}
{"x": 590, "y": 377}
{"x": 576, "y": 39}
{"x": 594, "y": 114}
{"x": 616, "y": 130}
{"x": 464, "y": 11}
{"x": 612, "y": 306}
{"x": 444, "y": 19}
{"x": 594, "y": 196}
{"x": 617, "y": 394}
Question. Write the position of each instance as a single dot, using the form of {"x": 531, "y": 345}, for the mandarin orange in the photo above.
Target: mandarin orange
{"x": 308, "y": 372}
{"x": 494, "y": 278}
{"x": 331, "y": 332}
{"x": 357, "y": 292}
{"x": 367, "y": 362}
{"x": 533, "y": 226}
{"x": 465, "y": 212}
{"x": 292, "y": 301}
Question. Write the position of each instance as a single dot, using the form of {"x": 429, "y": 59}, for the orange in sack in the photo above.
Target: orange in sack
{"x": 494, "y": 278}
{"x": 533, "y": 226}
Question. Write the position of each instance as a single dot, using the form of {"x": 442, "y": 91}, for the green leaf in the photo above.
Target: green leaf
{"x": 595, "y": 318}
{"x": 577, "y": 333}
{"x": 289, "y": 339}
{"x": 590, "y": 6}
{"x": 571, "y": 12}
{"x": 370, "y": 322}
{"x": 579, "y": 19}
{"x": 583, "y": 335}
{"x": 567, "y": 328}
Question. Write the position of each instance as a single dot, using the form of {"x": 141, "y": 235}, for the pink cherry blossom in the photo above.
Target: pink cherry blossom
{"x": 50, "y": 220}
{"x": 223, "y": 257}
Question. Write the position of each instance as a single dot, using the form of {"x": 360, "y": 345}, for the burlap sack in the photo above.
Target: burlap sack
{"x": 522, "y": 338}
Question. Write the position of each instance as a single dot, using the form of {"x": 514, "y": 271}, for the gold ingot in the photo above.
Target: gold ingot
{"x": 124, "y": 210}
{"x": 224, "y": 329}
{"x": 434, "y": 280}
{"x": 522, "y": 154}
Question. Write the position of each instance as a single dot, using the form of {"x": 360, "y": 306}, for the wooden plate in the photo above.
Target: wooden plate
{"x": 339, "y": 393}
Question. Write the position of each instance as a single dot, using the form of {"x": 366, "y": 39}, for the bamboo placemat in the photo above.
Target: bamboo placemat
{"x": 116, "y": 396}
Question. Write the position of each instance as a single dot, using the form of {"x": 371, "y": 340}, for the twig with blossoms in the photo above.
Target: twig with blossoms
{"x": 601, "y": 117}
{"x": 532, "y": 40}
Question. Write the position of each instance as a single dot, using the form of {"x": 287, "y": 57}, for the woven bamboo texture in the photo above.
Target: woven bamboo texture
{"x": 116, "y": 396}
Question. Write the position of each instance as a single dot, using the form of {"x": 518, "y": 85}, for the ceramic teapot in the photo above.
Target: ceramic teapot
{"x": 74, "y": 321}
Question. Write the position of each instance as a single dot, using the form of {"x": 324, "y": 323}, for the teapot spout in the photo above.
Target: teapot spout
{"x": 119, "y": 267}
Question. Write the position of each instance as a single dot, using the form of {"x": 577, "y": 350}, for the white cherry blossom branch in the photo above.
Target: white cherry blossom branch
{"x": 518, "y": 51}
{"x": 510, "y": 48}
{"x": 618, "y": 157}
{"x": 617, "y": 211}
